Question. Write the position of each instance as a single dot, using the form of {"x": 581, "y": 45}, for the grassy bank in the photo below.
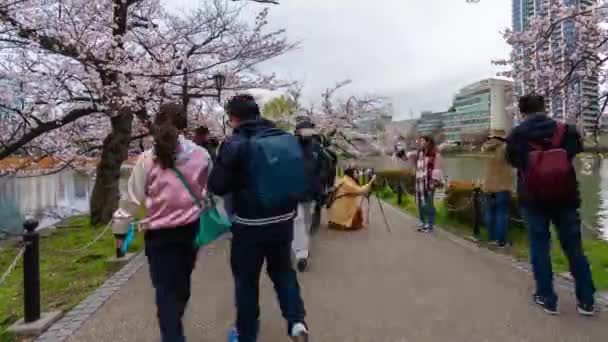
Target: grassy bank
{"x": 65, "y": 279}
{"x": 596, "y": 250}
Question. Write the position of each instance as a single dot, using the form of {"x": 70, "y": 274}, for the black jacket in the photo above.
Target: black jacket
{"x": 536, "y": 128}
{"x": 211, "y": 148}
{"x": 229, "y": 176}
{"x": 311, "y": 150}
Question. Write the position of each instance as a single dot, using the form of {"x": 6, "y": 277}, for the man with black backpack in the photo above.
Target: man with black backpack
{"x": 542, "y": 150}
{"x": 262, "y": 168}
{"x": 312, "y": 152}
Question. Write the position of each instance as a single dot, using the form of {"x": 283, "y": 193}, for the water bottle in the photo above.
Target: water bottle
{"x": 233, "y": 335}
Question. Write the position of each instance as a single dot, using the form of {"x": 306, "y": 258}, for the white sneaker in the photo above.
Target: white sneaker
{"x": 299, "y": 333}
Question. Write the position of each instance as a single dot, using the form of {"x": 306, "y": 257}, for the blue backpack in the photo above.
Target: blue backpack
{"x": 276, "y": 168}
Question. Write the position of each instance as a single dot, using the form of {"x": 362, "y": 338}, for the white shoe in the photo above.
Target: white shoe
{"x": 299, "y": 333}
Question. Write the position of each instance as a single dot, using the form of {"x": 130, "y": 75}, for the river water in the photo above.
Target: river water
{"x": 49, "y": 198}
{"x": 46, "y": 198}
{"x": 592, "y": 173}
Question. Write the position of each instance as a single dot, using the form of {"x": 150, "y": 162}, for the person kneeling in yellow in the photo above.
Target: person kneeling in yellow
{"x": 345, "y": 212}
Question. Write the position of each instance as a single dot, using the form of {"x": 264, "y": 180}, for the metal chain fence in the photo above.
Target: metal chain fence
{"x": 87, "y": 246}
{"x": 12, "y": 266}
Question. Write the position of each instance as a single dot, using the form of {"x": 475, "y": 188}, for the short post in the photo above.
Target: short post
{"x": 31, "y": 272}
{"x": 399, "y": 194}
{"x": 477, "y": 212}
{"x": 34, "y": 322}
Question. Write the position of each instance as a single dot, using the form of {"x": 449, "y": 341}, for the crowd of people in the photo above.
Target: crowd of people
{"x": 541, "y": 150}
{"x": 274, "y": 185}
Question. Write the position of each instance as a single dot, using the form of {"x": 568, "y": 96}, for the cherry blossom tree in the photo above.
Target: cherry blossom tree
{"x": 84, "y": 70}
{"x": 337, "y": 118}
{"x": 560, "y": 54}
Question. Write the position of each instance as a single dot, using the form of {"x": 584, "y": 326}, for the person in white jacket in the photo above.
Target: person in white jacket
{"x": 311, "y": 149}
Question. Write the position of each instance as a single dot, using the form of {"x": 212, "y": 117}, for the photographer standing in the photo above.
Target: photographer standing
{"x": 429, "y": 175}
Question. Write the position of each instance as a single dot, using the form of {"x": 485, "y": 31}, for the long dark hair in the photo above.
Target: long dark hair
{"x": 350, "y": 172}
{"x": 430, "y": 144}
{"x": 165, "y": 130}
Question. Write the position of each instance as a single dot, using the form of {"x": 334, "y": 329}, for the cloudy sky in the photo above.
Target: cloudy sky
{"x": 417, "y": 52}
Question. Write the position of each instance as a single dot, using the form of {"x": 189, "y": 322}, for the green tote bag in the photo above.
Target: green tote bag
{"x": 212, "y": 224}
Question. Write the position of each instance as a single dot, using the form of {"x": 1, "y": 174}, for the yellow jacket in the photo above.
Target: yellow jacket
{"x": 498, "y": 175}
{"x": 344, "y": 209}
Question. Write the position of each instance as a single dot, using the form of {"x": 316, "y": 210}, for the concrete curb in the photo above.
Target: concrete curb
{"x": 562, "y": 281}
{"x": 74, "y": 319}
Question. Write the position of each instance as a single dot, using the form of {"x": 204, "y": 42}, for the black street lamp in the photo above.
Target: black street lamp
{"x": 219, "y": 80}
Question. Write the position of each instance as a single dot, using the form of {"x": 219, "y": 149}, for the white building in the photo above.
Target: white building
{"x": 480, "y": 107}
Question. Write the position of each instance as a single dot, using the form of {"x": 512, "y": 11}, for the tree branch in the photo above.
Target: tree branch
{"x": 44, "y": 128}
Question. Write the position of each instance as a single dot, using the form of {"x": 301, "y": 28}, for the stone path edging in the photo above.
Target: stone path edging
{"x": 560, "y": 281}
{"x": 74, "y": 319}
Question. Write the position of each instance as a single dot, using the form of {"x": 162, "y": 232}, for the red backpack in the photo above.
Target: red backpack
{"x": 550, "y": 178}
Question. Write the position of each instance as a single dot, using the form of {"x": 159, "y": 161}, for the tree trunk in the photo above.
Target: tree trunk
{"x": 106, "y": 192}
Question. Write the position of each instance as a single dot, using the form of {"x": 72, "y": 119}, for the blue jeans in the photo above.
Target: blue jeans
{"x": 568, "y": 226}
{"x": 497, "y": 207}
{"x": 250, "y": 247}
{"x": 426, "y": 208}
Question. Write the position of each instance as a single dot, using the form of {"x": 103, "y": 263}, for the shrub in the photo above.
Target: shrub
{"x": 459, "y": 205}
{"x": 395, "y": 178}
{"x": 385, "y": 192}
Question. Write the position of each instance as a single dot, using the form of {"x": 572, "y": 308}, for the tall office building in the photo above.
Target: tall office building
{"x": 479, "y": 108}
{"x": 580, "y": 96}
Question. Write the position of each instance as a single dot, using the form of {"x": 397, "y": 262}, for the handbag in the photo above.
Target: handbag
{"x": 212, "y": 224}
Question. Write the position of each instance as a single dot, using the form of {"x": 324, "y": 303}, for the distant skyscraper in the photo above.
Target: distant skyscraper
{"x": 583, "y": 92}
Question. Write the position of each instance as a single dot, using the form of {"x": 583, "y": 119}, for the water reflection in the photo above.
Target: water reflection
{"x": 46, "y": 198}
{"x": 592, "y": 174}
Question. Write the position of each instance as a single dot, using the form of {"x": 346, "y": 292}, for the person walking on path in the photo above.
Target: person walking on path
{"x": 201, "y": 138}
{"x": 345, "y": 212}
{"x": 429, "y": 176}
{"x": 171, "y": 215}
{"x": 542, "y": 150}
{"x": 259, "y": 232}
{"x": 497, "y": 186}
{"x": 311, "y": 149}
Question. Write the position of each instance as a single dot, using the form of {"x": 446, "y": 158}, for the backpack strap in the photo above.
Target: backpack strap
{"x": 198, "y": 202}
{"x": 560, "y": 133}
{"x": 556, "y": 140}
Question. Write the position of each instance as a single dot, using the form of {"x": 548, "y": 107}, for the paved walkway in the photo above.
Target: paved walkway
{"x": 367, "y": 286}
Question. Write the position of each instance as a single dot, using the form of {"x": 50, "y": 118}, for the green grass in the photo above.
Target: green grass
{"x": 65, "y": 279}
{"x": 596, "y": 250}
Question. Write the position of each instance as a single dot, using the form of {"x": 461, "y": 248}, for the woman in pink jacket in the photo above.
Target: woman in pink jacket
{"x": 171, "y": 214}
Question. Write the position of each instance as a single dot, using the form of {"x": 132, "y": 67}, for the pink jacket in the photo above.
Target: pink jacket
{"x": 166, "y": 200}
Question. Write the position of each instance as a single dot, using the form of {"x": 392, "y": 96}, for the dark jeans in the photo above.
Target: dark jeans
{"x": 568, "y": 225}
{"x": 171, "y": 256}
{"x": 497, "y": 207}
{"x": 250, "y": 247}
{"x": 426, "y": 208}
